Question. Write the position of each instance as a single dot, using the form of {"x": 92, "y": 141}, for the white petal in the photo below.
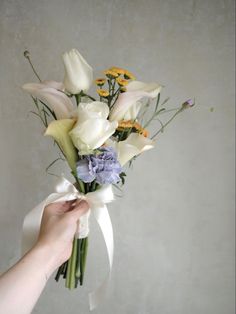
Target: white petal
{"x": 78, "y": 73}
{"x": 150, "y": 89}
{"x": 134, "y": 145}
{"x": 93, "y": 133}
{"x": 95, "y": 109}
{"x": 136, "y": 90}
{"x": 58, "y": 101}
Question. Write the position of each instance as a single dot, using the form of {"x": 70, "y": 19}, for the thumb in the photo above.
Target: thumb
{"x": 79, "y": 210}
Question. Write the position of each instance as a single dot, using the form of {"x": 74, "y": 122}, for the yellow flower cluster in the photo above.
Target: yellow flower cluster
{"x": 127, "y": 75}
{"x": 116, "y": 75}
{"x": 127, "y": 124}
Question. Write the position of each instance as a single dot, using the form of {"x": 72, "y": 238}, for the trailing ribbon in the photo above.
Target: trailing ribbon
{"x": 97, "y": 200}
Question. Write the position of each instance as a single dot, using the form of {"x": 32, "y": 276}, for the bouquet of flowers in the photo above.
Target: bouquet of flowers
{"x": 98, "y": 136}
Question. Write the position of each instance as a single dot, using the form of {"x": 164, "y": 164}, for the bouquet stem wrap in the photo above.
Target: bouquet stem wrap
{"x": 97, "y": 200}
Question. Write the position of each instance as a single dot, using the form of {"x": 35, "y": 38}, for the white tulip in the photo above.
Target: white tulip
{"x": 78, "y": 73}
{"x": 52, "y": 93}
{"x": 92, "y": 128}
{"x": 127, "y": 105}
{"x": 134, "y": 145}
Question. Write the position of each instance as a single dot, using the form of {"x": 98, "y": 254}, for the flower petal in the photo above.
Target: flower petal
{"x": 134, "y": 145}
{"x": 92, "y": 133}
{"x": 58, "y": 101}
{"x": 135, "y": 91}
{"x": 59, "y": 130}
{"x": 78, "y": 73}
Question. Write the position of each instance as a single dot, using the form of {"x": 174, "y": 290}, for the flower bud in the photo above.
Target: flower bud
{"x": 78, "y": 73}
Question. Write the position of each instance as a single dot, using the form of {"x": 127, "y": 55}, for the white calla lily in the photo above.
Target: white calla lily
{"x": 78, "y": 73}
{"x": 127, "y": 105}
{"x": 92, "y": 128}
{"x": 59, "y": 130}
{"x": 134, "y": 145}
{"x": 52, "y": 93}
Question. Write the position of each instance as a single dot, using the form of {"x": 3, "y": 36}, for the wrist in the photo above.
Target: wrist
{"x": 45, "y": 258}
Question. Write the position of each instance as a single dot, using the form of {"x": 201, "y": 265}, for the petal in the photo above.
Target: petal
{"x": 134, "y": 145}
{"x": 78, "y": 73}
{"x": 93, "y": 132}
{"x": 135, "y": 91}
{"x": 59, "y": 130}
{"x": 150, "y": 89}
{"x": 83, "y": 171}
{"x": 123, "y": 104}
{"x": 92, "y": 110}
{"x": 58, "y": 101}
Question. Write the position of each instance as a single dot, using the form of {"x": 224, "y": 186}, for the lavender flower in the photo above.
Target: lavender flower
{"x": 102, "y": 167}
{"x": 188, "y": 104}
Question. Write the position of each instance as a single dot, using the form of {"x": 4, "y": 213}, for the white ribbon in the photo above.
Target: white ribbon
{"x": 97, "y": 200}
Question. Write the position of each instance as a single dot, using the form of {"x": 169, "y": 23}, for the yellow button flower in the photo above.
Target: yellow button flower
{"x": 111, "y": 74}
{"x": 100, "y": 81}
{"x": 128, "y": 75}
{"x": 118, "y": 70}
{"x": 121, "y": 81}
{"x": 102, "y": 92}
{"x": 128, "y": 124}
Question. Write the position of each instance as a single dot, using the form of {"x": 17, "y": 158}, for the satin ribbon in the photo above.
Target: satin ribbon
{"x": 97, "y": 200}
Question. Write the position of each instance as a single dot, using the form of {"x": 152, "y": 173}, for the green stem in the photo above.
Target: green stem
{"x": 77, "y": 273}
{"x": 81, "y": 185}
{"x": 83, "y": 256}
{"x": 70, "y": 274}
{"x": 27, "y": 56}
{"x": 78, "y": 98}
{"x": 90, "y": 97}
{"x": 162, "y": 128}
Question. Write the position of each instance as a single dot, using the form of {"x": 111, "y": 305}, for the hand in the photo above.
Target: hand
{"x": 58, "y": 226}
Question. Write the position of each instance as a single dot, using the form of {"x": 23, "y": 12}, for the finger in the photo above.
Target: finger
{"x": 79, "y": 210}
{"x": 59, "y": 207}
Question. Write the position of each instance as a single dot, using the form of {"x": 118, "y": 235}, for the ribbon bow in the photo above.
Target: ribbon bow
{"x": 97, "y": 200}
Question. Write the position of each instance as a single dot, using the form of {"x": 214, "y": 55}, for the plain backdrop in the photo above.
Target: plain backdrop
{"x": 174, "y": 225}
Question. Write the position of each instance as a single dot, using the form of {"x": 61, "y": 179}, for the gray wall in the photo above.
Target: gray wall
{"x": 174, "y": 226}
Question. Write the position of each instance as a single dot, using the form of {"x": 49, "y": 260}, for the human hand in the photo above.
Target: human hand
{"x": 58, "y": 226}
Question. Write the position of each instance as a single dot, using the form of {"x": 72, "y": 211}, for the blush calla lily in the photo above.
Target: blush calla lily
{"x": 127, "y": 105}
{"x": 134, "y": 145}
{"x": 52, "y": 93}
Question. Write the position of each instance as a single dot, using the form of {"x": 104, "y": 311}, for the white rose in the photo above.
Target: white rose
{"x": 78, "y": 73}
{"x": 127, "y": 105}
{"x": 92, "y": 128}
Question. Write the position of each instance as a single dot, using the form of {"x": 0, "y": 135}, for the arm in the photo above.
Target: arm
{"x": 22, "y": 284}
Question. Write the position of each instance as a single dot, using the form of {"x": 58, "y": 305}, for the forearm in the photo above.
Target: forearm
{"x": 21, "y": 285}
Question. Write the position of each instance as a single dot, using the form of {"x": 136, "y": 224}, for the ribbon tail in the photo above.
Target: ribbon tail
{"x": 103, "y": 219}
{"x": 31, "y": 226}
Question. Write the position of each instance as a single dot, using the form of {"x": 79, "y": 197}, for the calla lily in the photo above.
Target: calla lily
{"x": 59, "y": 130}
{"x": 78, "y": 73}
{"x": 51, "y": 93}
{"x": 92, "y": 128}
{"x": 134, "y": 145}
{"x": 127, "y": 105}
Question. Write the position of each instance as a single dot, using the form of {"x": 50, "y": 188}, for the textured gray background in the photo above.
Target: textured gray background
{"x": 174, "y": 226}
